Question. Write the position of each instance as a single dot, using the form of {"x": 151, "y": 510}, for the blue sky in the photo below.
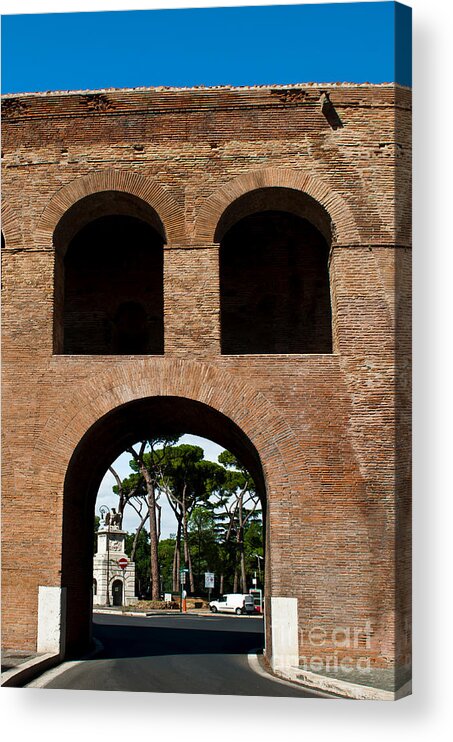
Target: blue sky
{"x": 333, "y": 42}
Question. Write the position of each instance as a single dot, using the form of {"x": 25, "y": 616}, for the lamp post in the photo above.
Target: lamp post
{"x": 258, "y": 557}
{"x": 104, "y": 510}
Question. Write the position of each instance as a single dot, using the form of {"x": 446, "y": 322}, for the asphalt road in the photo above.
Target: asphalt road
{"x": 174, "y": 654}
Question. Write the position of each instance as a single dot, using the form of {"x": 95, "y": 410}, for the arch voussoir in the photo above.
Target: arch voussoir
{"x": 200, "y": 382}
{"x": 345, "y": 227}
{"x": 124, "y": 181}
{"x": 12, "y": 232}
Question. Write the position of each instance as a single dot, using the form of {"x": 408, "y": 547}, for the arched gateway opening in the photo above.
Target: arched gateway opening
{"x": 101, "y": 444}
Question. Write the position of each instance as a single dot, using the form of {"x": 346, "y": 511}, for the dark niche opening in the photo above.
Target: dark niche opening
{"x": 274, "y": 284}
{"x": 113, "y": 292}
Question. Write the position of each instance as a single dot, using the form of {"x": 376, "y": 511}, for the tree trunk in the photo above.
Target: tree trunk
{"x": 153, "y": 537}
{"x": 221, "y": 584}
{"x": 240, "y": 542}
{"x": 174, "y": 581}
{"x": 177, "y": 560}
{"x": 187, "y": 556}
{"x": 154, "y": 544}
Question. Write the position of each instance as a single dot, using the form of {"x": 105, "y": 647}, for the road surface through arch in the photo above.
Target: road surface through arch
{"x": 174, "y": 654}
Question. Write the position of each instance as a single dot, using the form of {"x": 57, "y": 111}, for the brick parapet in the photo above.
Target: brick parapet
{"x": 365, "y": 149}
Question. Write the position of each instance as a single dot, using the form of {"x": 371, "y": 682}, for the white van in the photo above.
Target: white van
{"x": 233, "y": 603}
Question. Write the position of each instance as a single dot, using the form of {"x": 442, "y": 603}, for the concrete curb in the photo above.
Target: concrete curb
{"x": 54, "y": 672}
{"x": 144, "y": 614}
{"x": 328, "y": 687}
{"x": 27, "y": 671}
{"x": 343, "y": 688}
{"x": 257, "y": 667}
{"x": 148, "y": 614}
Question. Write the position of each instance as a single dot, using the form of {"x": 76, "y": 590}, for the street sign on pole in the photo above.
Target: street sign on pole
{"x": 123, "y": 562}
{"x": 209, "y": 579}
{"x": 183, "y": 573}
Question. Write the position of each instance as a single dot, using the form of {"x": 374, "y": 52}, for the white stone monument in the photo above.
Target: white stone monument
{"x": 106, "y": 565}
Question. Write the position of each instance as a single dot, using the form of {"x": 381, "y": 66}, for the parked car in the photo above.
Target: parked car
{"x": 233, "y": 603}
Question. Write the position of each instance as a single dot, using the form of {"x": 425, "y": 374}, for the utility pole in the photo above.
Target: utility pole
{"x": 258, "y": 557}
{"x": 182, "y": 594}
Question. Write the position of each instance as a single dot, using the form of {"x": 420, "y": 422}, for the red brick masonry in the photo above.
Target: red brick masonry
{"x": 326, "y": 434}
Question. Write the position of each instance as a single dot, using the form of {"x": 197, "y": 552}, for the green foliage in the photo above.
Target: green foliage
{"x": 166, "y": 553}
{"x": 187, "y": 473}
{"x": 204, "y": 544}
{"x": 253, "y": 545}
{"x": 219, "y": 500}
{"x": 237, "y": 476}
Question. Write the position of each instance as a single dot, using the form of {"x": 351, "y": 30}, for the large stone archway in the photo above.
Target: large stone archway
{"x": 158, "y": 396}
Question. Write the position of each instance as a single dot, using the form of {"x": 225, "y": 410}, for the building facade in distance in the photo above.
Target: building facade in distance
{"x": 113, "y": 572}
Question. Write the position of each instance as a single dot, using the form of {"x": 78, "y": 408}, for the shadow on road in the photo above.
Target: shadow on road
{"x": 176, "y": 636}
{"x": 203, "y": 655}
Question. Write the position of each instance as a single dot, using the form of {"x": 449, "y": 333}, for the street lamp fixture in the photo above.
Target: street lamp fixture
{"x": 258, "y": 557}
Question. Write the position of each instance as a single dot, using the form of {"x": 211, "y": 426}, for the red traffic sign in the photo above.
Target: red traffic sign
{"x": 123, "y": 562}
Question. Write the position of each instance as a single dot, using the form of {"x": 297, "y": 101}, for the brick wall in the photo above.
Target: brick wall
{"x": 320, "y": 428}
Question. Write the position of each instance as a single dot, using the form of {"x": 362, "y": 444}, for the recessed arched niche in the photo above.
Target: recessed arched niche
{"x": 109, "y": 277}
{"x": 274, "y": 277}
